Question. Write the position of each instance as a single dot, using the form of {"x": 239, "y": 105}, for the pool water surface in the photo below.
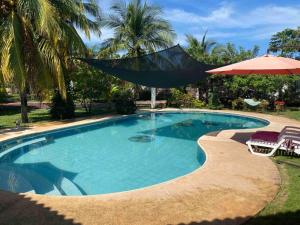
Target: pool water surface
{"x": 111, "y": 156}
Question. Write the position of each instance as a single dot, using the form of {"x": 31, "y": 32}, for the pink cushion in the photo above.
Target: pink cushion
{"x": 269, "y": 136}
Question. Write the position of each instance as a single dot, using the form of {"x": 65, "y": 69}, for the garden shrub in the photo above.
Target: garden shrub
{"x": 264, "y": 104}
{"x": 238, "y": 104}
{"x": 214, "y": 101}
{"x": 179, "y": 99}
{"x": 124, "y": 102}
{"x": 3, "y": 94}
{"x": 197, "y": 104}
{"x": 60, "y": 108}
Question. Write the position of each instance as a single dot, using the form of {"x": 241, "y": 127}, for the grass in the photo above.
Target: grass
{"x": 285, "y": 208}
{"x": 289, "y": 113}
{"x": 9, "y": 115}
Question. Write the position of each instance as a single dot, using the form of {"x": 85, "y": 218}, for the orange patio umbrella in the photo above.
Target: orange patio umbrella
{"x": 267, "y": 64}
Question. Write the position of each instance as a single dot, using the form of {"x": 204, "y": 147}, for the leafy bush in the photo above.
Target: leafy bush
{"x": 60, "y": 108}
{"x": 91, "y": 85}
{"x": 197, "y": 104}
{"x": 214, "y": 101}
{"x": 238, "y": 104}
{"x": 124, "y": 102}
{"x": 3, "y": 94}
{"x": 180, "y": 99}
{"x": 264, "y": 104}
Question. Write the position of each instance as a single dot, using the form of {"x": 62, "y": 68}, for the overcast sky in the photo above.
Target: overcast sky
{"x": 243, "y": 22}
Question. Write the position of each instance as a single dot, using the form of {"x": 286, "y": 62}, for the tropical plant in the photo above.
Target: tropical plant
{"x": 178, "y": 98}
{"x": 3, "y": 93}
{"x": 61, "y": 108}
{"x": 92, "y": 85}
{"x": 37, "y": 38}
{"x": 286, "y": 43}
{"x": 139, "y": 28}
{"x": 214, "y": 100}
{"x": 200, "y": 49}
{"x": 124, "y": 102}
{"x": 227, "y": 54}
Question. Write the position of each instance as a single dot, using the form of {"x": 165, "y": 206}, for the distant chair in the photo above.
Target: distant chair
{"x": 288, "y": 140}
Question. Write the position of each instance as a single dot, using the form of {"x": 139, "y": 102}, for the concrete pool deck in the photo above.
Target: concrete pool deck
{"x": 230, "y": 188}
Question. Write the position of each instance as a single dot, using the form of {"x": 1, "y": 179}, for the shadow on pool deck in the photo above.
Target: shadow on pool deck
{"x": 242, "y": 137}
{"x": 16, "y": 209}
{"x": 286, "y": 218}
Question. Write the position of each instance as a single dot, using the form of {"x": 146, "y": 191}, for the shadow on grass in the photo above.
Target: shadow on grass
{"x": 17, "y": 209}
{"x": 284, "y": 218}
{"x": 7, "y": 110}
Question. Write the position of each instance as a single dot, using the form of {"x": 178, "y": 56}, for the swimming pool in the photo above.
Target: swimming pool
{"x": 112, "y": 156}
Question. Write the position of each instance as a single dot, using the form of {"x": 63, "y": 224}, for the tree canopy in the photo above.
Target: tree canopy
{"x": 37, "y": 38}
{"x": 286, "y": 43}
{"x": 138, "y": 28}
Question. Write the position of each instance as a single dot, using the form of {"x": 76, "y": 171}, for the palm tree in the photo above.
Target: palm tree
{"x": 199, "y": 49}
{"x": 37, "y": 38}
{"x": 139, "y": 28}
{"x": 226, "y": 54}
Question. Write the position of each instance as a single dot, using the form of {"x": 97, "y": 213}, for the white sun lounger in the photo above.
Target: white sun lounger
{"x": 288, "y": 140}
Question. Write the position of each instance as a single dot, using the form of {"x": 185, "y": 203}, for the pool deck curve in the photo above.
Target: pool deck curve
{"x": 231, "y": 187}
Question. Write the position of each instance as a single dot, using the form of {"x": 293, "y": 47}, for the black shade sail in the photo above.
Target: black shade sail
{"x": 168, "y": 68}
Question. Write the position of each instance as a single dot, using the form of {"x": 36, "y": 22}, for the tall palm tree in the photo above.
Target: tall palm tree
{"x": 37, "y": 38}
{"x": 199, "y": 49}
{"x": 226, "y": 54}
{"x": 139, "y": 28}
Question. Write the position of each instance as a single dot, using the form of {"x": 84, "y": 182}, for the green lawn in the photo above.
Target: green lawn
{"x": 285, "y": 208}
{"x": 293, "y": 114}
{"x": 9, "y": 115}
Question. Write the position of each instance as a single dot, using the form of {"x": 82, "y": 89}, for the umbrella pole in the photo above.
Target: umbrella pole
{"x": 153, "y": 98}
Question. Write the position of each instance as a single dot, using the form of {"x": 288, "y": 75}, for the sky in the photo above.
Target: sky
{"x": 243, "y": 22}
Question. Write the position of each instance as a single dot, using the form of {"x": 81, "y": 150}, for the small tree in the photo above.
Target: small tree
{"x": 125, "y": 102}
{"x": 61, "y": 108}
{"x": 92, "y": 85}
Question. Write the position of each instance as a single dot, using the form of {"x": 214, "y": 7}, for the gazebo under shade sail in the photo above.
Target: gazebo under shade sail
{"x": 168, "y": 68}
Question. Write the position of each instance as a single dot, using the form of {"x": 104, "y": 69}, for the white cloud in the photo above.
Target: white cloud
{"x": 228, "y": 22}
{"x": 222, "y": 15}
{"x": 226, "y": 16}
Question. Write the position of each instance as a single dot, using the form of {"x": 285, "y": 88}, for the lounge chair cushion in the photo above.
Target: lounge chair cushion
{"x": 268, "y": 136}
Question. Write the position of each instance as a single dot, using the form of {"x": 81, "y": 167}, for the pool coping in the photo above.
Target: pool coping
{"x": 168, "y": 188}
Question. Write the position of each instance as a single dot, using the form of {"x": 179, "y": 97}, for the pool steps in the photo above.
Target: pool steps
{"x": 22, "y": 145}
{"x": 69, "y": 188}
{"x": 66, "y": 186}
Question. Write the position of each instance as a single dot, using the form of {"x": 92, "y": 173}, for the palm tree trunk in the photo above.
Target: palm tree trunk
{"x": 24, "y": 106}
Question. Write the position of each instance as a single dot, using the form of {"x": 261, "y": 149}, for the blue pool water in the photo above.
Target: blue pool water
{"x": 113, "y": 156}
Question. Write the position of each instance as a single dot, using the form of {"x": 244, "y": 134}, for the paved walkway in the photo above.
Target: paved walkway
{"x": 231, "y": 187}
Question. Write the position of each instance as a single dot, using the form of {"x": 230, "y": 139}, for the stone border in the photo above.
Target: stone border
{"x": 232, "y": 186}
